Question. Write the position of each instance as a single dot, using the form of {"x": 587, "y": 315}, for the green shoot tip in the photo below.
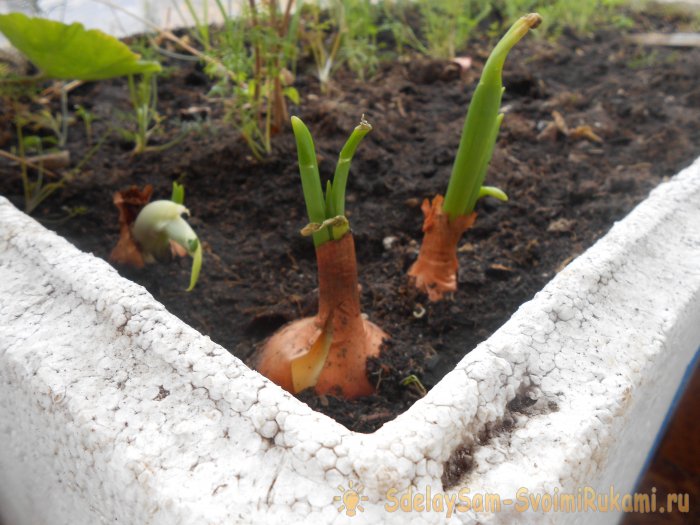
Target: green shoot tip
{"x": 178, "y": 195}
{"x": 533, "y": 20}
{"x": 195, "y": 250}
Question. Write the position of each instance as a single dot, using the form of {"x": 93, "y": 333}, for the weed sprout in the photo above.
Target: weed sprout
{"x": 64, "y": 52}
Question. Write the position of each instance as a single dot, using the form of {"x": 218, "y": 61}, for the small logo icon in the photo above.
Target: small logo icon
{"x": 351, "y": 498}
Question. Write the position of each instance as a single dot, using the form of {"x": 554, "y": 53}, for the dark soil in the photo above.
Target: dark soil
{"x": 259, "y": 273}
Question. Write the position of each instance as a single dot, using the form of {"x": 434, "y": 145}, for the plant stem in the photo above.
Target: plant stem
{"x": 23, "y": 169}
{"x": 26, "y": 162}
{"x": 64, "y": 117}
{"x": 340, "y": 177}
{"x": 30, "y": 80}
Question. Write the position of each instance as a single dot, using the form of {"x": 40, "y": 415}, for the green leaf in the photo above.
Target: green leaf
{"x": 195, "y": 250}
{"x": 71, "y": 52}
{"x": 178, "y": 195}
{"x": 292, "y": 94}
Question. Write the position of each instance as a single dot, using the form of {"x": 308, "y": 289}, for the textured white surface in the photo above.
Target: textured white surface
{"x": 113, "y": 410}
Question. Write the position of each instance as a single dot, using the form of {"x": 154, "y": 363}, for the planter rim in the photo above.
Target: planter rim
{"x": 566, "y": 366}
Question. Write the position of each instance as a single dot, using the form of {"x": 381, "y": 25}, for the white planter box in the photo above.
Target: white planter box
{"x": 114, "y": 411}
